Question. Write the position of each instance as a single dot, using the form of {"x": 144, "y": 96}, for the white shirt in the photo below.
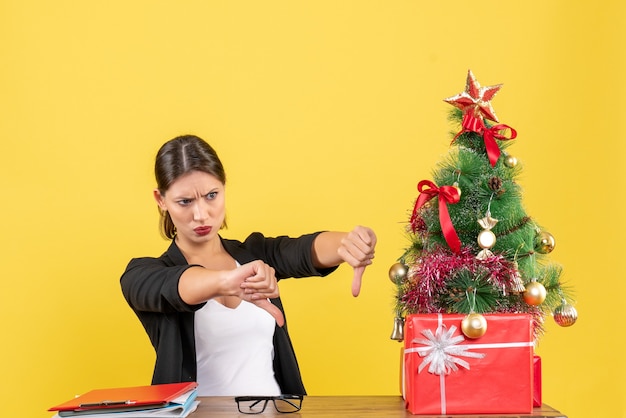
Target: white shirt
{"x": 234, "y": 350}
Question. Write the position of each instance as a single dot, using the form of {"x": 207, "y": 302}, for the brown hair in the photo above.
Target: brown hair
{"x": 180, "y": 156}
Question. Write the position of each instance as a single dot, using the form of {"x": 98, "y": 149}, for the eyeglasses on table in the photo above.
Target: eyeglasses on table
{"x": 285, "y": 404}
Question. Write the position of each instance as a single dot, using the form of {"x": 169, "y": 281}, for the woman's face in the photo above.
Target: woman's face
{"x": 196, "y": 204}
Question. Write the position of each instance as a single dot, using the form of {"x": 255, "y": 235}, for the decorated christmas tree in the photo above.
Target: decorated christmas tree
{"x": 473, "y": 248}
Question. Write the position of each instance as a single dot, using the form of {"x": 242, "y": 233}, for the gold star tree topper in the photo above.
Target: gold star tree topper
{"x": 476, "y": 99}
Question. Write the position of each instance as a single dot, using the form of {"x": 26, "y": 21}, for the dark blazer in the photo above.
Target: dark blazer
{"x": 150, "y": 286}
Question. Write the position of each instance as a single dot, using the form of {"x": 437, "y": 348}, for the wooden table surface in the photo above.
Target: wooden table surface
{"x": 342, "y": 406}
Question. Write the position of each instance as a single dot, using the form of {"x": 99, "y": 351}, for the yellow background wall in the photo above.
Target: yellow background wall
{"x": 326, "y": 115}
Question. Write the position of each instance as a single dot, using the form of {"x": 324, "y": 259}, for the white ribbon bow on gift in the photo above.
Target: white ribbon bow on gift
{"x": 441, "y": 349}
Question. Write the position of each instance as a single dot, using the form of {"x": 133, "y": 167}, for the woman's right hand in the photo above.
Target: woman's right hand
{"x": 259, "y": 281}
{"x": 254, "y": 282}
{"x": 259, "y": 284}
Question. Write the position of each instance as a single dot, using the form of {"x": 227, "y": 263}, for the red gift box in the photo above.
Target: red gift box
{"x": 537, "y": 381}
{"x": 448, "y": 373}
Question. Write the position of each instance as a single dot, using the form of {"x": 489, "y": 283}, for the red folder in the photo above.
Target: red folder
{"x": 128, "y": 397}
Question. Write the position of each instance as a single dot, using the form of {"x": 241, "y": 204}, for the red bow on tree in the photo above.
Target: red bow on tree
{"x": 447, "y": 194}
{"x": 472, "y": 123}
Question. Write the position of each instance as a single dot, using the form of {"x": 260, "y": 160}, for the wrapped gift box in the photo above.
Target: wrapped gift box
{"x": 537, "y": 381}
{"x": 448, "y": 373}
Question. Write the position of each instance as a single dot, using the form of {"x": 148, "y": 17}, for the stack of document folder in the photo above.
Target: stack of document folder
{"x": 172, "y": 400}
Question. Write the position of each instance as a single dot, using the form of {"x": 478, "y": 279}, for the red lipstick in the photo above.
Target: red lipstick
{"x": 202, "y": 230}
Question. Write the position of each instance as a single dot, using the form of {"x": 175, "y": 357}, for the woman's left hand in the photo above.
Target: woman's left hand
{"x": 357, "y": 249}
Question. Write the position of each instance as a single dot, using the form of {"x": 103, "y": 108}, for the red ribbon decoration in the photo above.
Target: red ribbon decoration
{"x": 473, "y": 124}
{"x": 447, "y": 194}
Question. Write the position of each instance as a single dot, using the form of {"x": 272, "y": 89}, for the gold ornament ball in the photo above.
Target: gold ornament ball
{"x": 458, "y": 189}
{"x": 510, "y": 161}
{"x": 535, "y": 293}
{"x": 486, "y": 239}
{"x": 544, "y": 242}
{"x": 474, "y": 325}
{"x": 565, "y": 315}
{"x": 397, "y": 272}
